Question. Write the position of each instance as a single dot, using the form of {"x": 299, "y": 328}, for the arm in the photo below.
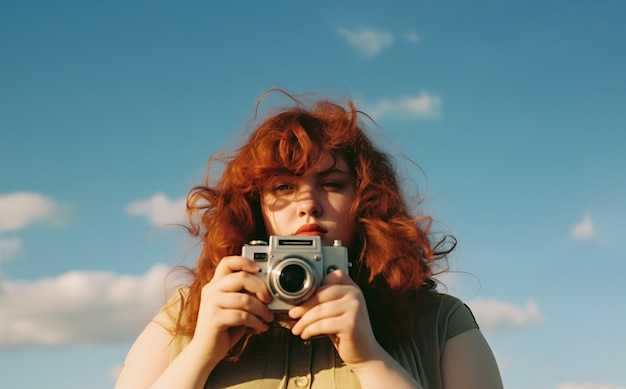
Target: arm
{"x": 468, "y": 363}
{"x": 149, "y": 355}
{"x": 225, "y": 315}
{"x": 147, "y": 364}
{"x": 382, "y": 371}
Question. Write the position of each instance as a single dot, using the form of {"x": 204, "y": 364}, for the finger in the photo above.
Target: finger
{"x": 325, "y": 293}
{"x": 234, "y": 264}
{"x": 243, "y": 281}
{"x": 229, "y": 318}
{"x": 247, "y": 303}
{"x": 328, "y": 327}
{"x": 312, "y": 321}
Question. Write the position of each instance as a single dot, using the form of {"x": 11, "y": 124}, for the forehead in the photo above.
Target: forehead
{"x": 329, "y": 163}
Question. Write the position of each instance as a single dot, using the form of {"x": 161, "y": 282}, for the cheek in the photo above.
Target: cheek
{"x": 267, "y": 219}
{"x": 268, "y": 226}
{"x": 346, "y": 206}
{"x": 350, "y": 222}
{"x": 271, "y": 218}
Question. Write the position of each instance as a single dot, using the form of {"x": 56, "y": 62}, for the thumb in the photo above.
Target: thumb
{"x": 338, "y": 277}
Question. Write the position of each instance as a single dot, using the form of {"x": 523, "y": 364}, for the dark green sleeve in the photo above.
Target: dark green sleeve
{"x": 442, "y": 317}
{"x": 458, "y": 318}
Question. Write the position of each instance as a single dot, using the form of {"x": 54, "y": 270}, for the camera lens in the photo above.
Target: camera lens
{"x": 292, "y": 278}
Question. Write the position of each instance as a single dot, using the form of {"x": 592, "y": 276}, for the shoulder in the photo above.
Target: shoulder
{"x": 456, "y": 316}
{"x": 171, "y": 317}
{"x": 453, "y": 306}
{"x": 172, "y": 311}
{"x": 439, "y": 317}
{"x": 449, "y": 314}
{"x": 150, "y": 354}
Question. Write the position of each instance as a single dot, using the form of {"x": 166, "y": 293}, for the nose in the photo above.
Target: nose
{"x": 307, "y": 203}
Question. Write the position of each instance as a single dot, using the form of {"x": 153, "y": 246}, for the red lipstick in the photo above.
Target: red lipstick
{"x": 311, "y": 230}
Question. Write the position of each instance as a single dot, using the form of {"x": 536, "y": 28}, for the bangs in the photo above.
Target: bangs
{"x": 290, "y": 144}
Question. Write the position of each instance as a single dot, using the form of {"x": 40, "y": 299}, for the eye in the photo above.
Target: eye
{"x": 332, "y": 185}
{"x": 282, "y": 188}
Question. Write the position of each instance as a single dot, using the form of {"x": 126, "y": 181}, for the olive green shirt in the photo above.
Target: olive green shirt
{"x": 287, "y": 362}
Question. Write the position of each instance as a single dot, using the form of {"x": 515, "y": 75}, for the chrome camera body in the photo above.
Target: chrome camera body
{"x": 294, "y": 266}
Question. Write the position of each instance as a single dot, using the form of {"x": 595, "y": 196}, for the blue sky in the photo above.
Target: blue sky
{"x": 513, "y": 109}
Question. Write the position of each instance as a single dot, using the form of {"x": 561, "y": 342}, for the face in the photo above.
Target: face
{"x": 316, "y": 203}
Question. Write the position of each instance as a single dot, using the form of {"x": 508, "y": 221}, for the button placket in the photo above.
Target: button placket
{"x": 300, "y": 364}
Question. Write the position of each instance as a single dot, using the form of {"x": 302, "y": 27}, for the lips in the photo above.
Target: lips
{"x": 310, "y": 230}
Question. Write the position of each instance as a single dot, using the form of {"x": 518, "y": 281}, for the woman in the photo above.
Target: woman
{"x": 312, "y": 172}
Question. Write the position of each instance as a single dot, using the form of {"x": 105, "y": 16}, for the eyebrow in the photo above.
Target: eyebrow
{"x": 322, "y": 173}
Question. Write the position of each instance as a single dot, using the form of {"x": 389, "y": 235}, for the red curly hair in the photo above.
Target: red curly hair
{"x": 392, "y": 253}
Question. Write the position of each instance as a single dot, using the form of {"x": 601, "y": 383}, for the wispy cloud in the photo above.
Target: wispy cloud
{"x": 584, "y": 229}
{"x": 411, "y": 37}
{"x": 499, "y": 316}
{"x": 79, "y": 307}
{"x": 22, "y": 209}
{"x": 371, "y": 42}
{"x": 368, "y": 42}
{"x": 421, "y": 105}
{"x": 604, "y": 223}
{"x": 587, "y": 385}
{"x": 159, "y": 209}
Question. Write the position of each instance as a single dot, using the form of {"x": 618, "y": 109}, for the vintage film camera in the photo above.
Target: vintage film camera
{"x": 294, "y": 266}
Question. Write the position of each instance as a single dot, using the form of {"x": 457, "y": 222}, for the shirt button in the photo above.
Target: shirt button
{"x": 301, "y": 382}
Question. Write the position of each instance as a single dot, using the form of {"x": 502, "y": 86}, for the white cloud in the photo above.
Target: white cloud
{"x": 584, "y": 229}
{"x": 159, "y": 209}
{"x": 79, "y": 307}
{"x": 21, "y": 209}
{"x": 424, "y": 105}
{"x": 571, "y": 385}
{"x": 10, "y": 248}
{"x": 367, "y": 41}
{"x": 498, "y": 316}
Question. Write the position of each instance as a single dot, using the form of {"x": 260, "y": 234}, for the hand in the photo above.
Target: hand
{"x": 338, "y": 309}
{"x": 231, "y": 304}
